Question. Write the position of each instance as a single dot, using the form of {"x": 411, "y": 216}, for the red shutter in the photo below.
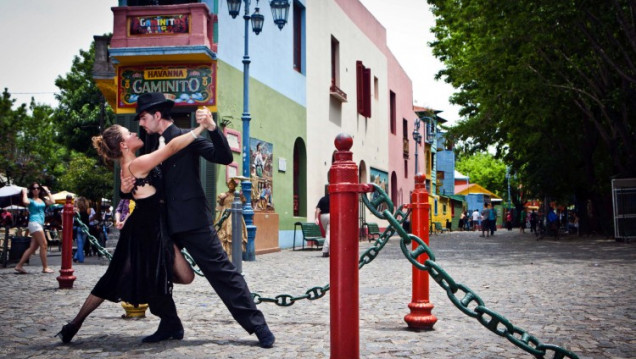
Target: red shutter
{"x": 367, "y": 93}
{"x": 360, "y": 86}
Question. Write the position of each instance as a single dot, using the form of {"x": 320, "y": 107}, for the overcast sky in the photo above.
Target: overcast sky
{"x": 41, "y": 37}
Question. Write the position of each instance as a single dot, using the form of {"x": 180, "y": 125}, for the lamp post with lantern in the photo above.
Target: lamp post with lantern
{"x": 417, "y": 137}
{"x": 280, "y": 10}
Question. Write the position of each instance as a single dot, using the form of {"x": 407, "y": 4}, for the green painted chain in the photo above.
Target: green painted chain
{"x": 469, "y": 302}
{"x": 286, "y": 300}
{"x": 93, "y": 241}
{"x": 490, "y": 319}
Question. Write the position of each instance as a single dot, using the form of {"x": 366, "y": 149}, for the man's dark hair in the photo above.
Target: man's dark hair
{"x": 165, "y": 112}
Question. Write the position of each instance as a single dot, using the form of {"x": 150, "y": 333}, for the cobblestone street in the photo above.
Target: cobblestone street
{"x": 577, "y": 293}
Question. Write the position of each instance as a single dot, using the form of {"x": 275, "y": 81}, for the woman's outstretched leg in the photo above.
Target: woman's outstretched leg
{"x": 183, "y": 273}
{"x": 69, "y": 330}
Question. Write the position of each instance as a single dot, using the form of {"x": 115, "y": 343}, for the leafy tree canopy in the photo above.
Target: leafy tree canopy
{"x": 485, "y": 170}
{"x": 28, "y": 143}
{"x": 551, "y": 85}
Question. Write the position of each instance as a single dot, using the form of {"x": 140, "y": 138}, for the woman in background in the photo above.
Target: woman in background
{"x": 36, "y": 201}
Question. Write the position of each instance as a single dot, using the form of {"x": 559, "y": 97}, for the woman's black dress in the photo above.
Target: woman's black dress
{"x": 141, "y": 266}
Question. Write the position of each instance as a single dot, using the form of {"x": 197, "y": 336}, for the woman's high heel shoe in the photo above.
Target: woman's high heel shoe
{"x": 68, "y": 332}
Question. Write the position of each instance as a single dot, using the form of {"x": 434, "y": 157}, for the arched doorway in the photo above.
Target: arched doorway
{"x": 300, "y": 179}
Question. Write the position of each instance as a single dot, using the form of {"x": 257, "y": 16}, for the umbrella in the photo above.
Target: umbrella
{"x": 13, "y": 207}
{"x": 60, "y": 197}
{"x": 10, "y": 194}
{"x": 10, "y": 190}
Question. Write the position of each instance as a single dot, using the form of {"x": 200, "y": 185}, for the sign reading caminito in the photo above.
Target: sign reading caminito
{"x": 185, "y": 84}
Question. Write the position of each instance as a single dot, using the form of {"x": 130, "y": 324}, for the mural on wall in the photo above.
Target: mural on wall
{"x": 380, "y": 178}
{"x": 261, "y": 159}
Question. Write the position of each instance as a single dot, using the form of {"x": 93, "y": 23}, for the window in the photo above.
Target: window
{"x": 334, "y": 90}
{"x": 405, "y": 138}
{"x": 392, "y": 112}
{"x": 363, "y": 87}
{"x": 299, "y": 36}
{"x": 335, "y": 62}
{"x": 406, "y": 169}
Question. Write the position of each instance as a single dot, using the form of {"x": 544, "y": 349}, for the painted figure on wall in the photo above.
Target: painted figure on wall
{"x": 380, "y": 178}
{"x": 261, "y": 160}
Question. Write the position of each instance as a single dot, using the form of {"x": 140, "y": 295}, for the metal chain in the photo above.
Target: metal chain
{"x": 367, "y": 257}
{"x": 468, "y": 301}
{"x": 93, "y": 241}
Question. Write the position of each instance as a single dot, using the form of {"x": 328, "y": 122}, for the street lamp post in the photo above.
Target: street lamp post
{"x": 280, "y": 9}
{"x": 417, "y": 137}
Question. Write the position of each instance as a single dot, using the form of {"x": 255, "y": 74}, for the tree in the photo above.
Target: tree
{"x": 87, "y": 177}
{"x": 83, "y": 112}
{"x": 551, "y": 85}
{"x": 30, "y": 152}
{"x": 485, "y": 170}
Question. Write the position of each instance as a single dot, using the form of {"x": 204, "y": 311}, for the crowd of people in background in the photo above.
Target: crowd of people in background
{"x": 553, "y": 222}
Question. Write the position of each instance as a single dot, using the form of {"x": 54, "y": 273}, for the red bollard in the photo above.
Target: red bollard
{"x": 66, "y": 277}
{"x": 420, "y": 317}
{"x": 344, "y": 301}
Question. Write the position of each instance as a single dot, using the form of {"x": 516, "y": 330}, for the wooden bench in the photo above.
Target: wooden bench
{"x": 439, "y": 228}
{"x": 373, "y": 231}
{"x": 311, "y": 235}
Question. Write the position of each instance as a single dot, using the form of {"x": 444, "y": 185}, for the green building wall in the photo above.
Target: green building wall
{"x": 275, "y": 119}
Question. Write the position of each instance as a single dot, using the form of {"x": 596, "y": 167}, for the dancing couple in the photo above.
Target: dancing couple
{"x": 171, "y": 213}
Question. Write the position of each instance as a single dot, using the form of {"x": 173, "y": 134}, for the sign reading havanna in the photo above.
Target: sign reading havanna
{"x": 185, "y": 84}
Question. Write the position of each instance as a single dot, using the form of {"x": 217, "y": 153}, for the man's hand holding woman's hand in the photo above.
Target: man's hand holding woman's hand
{"x": 204, "y": 118}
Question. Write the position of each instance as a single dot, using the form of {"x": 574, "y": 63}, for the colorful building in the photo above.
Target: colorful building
{"x": 352, "y": 83}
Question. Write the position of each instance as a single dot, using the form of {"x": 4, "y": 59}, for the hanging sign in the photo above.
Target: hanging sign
{"x": 185, "y": 84}
{"x": 158, "y": 24}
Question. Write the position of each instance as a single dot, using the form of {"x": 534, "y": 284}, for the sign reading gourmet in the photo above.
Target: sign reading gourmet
{"x": 159, "y": 24}
{"x": 185, "y": 84}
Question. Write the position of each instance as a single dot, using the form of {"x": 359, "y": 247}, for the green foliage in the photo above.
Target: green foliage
{"x": 85, "y": 176}
{"x": 485, "y": 170}
{"x": 30, "y": 152}
{"x": 551, "y": 85}
{"x": 83, "y": 112}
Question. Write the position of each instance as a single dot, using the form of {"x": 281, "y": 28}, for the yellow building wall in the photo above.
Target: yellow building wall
{"x": 444, "y": 210}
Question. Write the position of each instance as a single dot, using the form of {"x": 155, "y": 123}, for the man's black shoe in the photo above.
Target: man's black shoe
{"x": 265, "y": 337}
{"x": 164, "y": 334}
